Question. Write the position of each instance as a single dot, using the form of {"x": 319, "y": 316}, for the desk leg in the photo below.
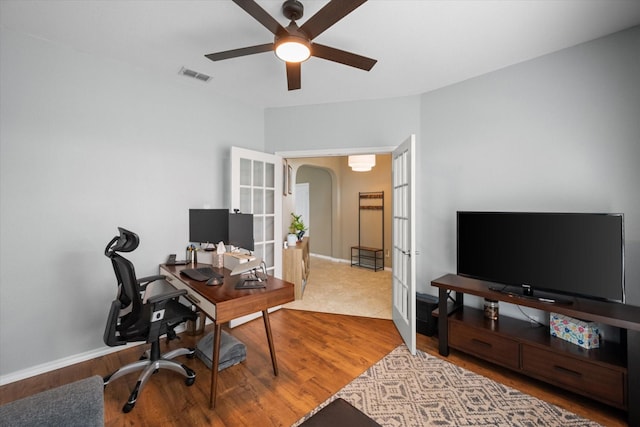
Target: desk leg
{"x": 215, "y": 358}
{"x": 272, "y": 349}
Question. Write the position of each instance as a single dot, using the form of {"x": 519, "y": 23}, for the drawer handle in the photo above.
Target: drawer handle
{"x": 483, "y": 343}
{"x": 192, "y": 299}
{"x": 567, "y": 371}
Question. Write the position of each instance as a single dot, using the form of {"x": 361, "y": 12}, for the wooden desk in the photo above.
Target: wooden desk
{"x": 223, "y": 303}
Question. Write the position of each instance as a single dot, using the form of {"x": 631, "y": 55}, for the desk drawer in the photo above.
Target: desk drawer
{"x": 208, "y": 308}
{"x": 583, "y": 377}
{"x": 484, "y": 344}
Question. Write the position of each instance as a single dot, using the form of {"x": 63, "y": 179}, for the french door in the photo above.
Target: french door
{"x": 404, "y": 242}
{"x": 256, "y": 188}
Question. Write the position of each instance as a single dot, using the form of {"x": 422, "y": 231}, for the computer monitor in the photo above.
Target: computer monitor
{"x": 241, "y": 231}
{"x": 208, "y": 225}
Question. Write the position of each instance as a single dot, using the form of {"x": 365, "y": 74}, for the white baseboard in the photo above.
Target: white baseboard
{"x": 68, "y": 361}
{"x": 103, "y": 351}
{"x": 329, "y": 258}
{"x": 62, "y": 363}
{"x": 344, "y": 261}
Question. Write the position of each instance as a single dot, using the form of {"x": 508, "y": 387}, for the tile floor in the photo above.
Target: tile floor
{"x": 336, "y": 287}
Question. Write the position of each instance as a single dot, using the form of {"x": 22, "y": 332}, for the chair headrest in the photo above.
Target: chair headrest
{"x": 127, "y": 241}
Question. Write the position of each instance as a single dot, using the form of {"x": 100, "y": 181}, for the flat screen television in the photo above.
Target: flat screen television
{"x": 208, "y": 225}
{"x": 241, "y": 231}
{"x": 577, "y": 254}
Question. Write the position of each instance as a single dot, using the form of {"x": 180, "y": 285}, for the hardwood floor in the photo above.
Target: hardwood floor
{"x": 318, "y": 354}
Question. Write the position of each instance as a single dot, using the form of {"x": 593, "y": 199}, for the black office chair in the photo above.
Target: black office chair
{"x": 132, "y": 319}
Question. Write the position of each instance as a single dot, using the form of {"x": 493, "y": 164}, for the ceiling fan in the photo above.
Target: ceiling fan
{"x": 294, "y": 44}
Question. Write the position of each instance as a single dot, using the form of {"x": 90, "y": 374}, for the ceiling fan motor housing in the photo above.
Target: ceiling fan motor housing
{"x": 292, "y": 10}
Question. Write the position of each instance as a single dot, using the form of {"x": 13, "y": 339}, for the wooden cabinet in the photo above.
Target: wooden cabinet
{"x": 605, "y": 383}
{"x": 496, "y": 347}
{"x": 609, "y": 374}
{"x": 295, "y": 265}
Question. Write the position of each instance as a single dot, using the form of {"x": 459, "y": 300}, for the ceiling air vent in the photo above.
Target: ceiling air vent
{"x": 196, "y": 75}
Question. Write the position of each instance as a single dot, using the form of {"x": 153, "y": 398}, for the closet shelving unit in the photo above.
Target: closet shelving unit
{"x": 366, "y": 256}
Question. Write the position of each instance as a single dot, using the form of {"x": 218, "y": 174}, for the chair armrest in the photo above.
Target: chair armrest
{"x": 143, "y": 282}
{"x": 150, "y": 279}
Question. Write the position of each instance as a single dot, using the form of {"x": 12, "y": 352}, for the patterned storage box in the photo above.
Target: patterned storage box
{"x": 584, "y": 334}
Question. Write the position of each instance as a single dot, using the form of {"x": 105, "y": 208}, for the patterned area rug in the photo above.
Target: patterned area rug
{"x": 402, "y": 390}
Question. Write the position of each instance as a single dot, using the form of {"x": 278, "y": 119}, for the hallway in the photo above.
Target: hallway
{"x": 336, "y": 287}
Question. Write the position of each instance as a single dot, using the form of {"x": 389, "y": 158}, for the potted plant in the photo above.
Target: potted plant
{"x": 297, "y": 226}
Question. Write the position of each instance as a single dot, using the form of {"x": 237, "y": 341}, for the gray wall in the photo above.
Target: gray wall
{"x": 88, "y": 144}
{"x": 381, "y": 123}
{"x": 557, "y": 133}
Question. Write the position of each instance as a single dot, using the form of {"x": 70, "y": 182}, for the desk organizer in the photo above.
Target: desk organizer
{"x": 584, "y": 334}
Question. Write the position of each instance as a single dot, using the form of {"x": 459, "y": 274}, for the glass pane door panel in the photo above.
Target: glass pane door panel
{"x": 258, "y": 174}
{"x": 245, "y": 172}
{"x": 269, "y": 203}
{"x": 258, "y": 250}
{"x": 245, "y": 200}
{"x": 268, "y": 256}
{"x": 268, "y": 229}
{"x": 258, "y": 228}
{"x": 269, "y": 176}
{"x": 258, "y": 201}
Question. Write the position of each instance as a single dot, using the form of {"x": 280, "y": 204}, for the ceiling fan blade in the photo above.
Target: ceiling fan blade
{"x": 243, "y": 51}
{"x": 261, "y": 15}
{"x": 294, "y": 79}
{"x": 343, "y": 57}
{"x": 331, "y": 13}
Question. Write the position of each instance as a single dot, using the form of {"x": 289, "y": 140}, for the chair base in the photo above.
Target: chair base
{"x": 151, "y": 366}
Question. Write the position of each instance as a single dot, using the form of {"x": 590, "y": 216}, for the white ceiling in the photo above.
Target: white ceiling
{"x": 420, "y": 45}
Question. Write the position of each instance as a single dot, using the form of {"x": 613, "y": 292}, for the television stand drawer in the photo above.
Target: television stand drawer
{"x": 580, "y": 376}
{"x": 484, "y": 344}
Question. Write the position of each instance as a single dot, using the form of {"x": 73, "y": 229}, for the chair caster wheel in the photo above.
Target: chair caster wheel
{"x": 189, "y": 381}
{"x": 128, "y": 407}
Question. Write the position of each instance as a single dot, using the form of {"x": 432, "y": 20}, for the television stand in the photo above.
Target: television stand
{"x": 609, "y": 374}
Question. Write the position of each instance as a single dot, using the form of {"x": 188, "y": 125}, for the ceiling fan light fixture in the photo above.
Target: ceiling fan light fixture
{"x": 293, "y": 49}
{"x": 362, "y": 163}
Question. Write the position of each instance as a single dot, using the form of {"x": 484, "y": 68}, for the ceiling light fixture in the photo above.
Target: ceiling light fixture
{"x": 362, "y": 163}
{"x": 292, "y": 48}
